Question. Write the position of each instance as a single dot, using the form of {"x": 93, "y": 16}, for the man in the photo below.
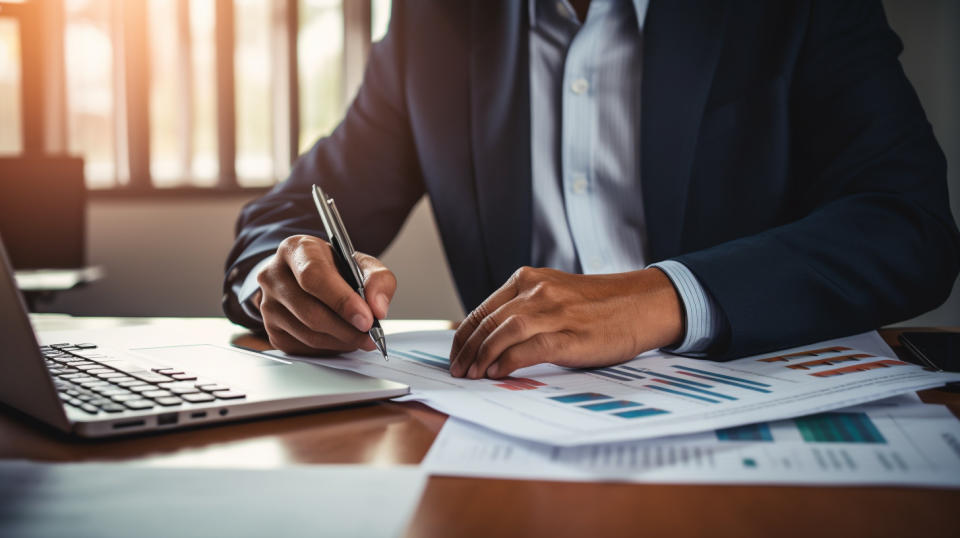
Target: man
{"x": 769, "y": 159}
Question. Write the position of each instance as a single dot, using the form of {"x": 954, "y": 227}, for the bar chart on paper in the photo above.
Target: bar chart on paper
{"x": 652, "y": 395}
{"x": 883, "y": 443}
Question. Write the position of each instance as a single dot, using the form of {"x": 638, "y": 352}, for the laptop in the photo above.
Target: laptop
{"x": 89, "y": 390}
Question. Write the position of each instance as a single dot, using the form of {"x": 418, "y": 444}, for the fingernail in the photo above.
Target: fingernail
{"x": 492, "y": 371}
{"x": 473, "y": 371}
{"x": 383, "y": 304}
{"x": 360, "y": 322}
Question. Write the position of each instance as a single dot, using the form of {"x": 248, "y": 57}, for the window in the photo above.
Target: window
{"x": 184, "y": 95}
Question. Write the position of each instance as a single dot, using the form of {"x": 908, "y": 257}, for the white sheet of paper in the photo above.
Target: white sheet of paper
{"x": 889, "y": 443}
{"x": 653, "y": 395}
{"x": 106, "y": 500}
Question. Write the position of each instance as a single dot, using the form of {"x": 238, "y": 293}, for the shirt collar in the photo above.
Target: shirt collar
{"x": 639, "y": 6}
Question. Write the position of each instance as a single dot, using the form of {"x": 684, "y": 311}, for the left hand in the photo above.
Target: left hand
{"x": 544, "y": 315}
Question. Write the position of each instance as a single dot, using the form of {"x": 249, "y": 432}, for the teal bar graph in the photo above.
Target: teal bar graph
{"x": 639, "y": 413}
{"x": 839, "y": 428}
{"x": 609, "y": 406}
{"x": 750, "y": 432}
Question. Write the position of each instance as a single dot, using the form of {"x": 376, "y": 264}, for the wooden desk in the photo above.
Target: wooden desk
{"x": 391, "y": 433}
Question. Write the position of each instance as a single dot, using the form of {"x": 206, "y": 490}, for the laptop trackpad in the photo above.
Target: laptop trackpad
{"x": 207, "y": 359}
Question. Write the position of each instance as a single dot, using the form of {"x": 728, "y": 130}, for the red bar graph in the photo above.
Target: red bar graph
{"x": 520, "y": 383}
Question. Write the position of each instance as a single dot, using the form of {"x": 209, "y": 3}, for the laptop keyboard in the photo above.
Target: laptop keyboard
{"x": 94, "y": 382}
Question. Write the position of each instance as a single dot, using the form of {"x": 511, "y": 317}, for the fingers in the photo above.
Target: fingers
{"x": 280, "y": 323}
{"x": 307, "y": 307}
{"x": 479, "y": 320}
{"x": 379, "y": 283}
{"x": 515, "y": 329}
{"x": 312, "y": 264}
{"x": 310, "y": 312}
{"x": 556, "y": 345}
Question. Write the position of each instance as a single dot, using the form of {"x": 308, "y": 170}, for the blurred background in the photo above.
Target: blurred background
{"x": 184, "y": 110}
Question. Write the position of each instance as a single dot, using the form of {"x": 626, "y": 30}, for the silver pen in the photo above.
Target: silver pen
{"x": 344, "y": 256}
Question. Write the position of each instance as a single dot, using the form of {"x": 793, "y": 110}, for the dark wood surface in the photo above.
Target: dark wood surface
{"x": 392, "y": 433}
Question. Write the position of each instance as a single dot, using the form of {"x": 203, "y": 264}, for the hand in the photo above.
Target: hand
{"x": 544, "y": 315}
{"x": 309, "y": 309}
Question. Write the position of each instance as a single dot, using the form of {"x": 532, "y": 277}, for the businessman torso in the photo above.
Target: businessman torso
{"x": 764, "y": 130}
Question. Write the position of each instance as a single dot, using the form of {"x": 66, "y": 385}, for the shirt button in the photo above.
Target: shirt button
{"x": 579, "y": 86}
{"x": 579, "y": 185}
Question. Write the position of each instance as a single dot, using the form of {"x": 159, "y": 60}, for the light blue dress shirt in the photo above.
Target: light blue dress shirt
{"x": 585, "y": 81}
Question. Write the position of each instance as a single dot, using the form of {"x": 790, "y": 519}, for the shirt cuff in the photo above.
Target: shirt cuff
{"x": 704, "y": 320}
{"x": 246, "y": 288}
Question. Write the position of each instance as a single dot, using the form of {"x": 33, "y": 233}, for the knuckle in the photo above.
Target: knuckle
{"x": 487, "y": 326}
{"x": 524, "y": 275}
{"x": 517, "y": 323}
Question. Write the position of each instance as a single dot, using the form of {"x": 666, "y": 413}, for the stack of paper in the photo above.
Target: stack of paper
{"x": 566, "y": 413}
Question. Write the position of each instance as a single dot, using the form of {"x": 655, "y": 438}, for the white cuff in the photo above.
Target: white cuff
{"x": 704, "y": 320}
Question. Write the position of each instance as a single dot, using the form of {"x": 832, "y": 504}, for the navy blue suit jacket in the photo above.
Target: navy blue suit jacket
{"x": 786, "y": 161}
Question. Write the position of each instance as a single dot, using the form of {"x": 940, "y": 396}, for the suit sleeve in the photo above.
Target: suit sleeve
{"x": 368, "y": 164}
{"x": 875, "y": 241}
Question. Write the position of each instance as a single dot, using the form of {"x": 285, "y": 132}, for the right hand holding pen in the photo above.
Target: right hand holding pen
{"x": 309, "y": 309}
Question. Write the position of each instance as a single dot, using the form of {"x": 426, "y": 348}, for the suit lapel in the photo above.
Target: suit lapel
{"x": 500, "y": 130}
{"x": 682, "y": 41}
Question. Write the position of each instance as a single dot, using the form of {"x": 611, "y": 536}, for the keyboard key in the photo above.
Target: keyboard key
{"x": 114, "y": 392}
{"x": 110, "y": 375}
{"x": 98, "y": 371}
{"x": 131, "y": 383}
{"x": 87, "y": 367}
{"x": 168, "y": 401}
{"x": 58, "y": 346}
{"x": 93, "y": 410}
{"x": 149, "y": 377}
{"x": 156, "y": 393}
{"x": 141, "y": 388}
{"x": 124, "y": 379}
{"x": 87, "y": 346}
{"x": 125, "y": 397}
{"x": 168, "y": 371}
{"x": 184, "y": 377}
{"x": 139, "y": 404}
{"x": 199, "y": 397}
{"x": 212, "y": 387}
{"x": 183, "y": 390}
{"x": 229, "y": 394}
{"x": 113, "y": 408}
{"x": 85, "y": 397}
{"x": 96, "y": 383}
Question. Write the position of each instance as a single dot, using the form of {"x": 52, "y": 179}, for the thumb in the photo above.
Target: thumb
{"x": 379, "y": 283}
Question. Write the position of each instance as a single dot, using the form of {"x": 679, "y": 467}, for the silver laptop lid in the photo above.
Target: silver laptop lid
{"x": 25, "y": 383}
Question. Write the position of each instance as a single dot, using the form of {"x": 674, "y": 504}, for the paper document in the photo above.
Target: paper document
{"x": 913, "y": 444}
{"x": 106, "y": 500}
{"x": 650, "y": 396}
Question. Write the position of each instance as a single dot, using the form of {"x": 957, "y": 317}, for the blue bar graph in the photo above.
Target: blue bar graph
{"x": 606, "y": 373}
{"x": 645, "y": 412}
{"x": 428, "y": 362}
{"x": 579, "y": 397}
{"x": 750, "y": 432}
{"x": 687, "y": 394}
{"x": 609, "y": 406}
{"x": 628, "y": 374}
{"x": 721, "y": 376}
{"x": 684, "y": 386}
{"x": 725, "y": 382}
{"x": 678, "y": 380}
